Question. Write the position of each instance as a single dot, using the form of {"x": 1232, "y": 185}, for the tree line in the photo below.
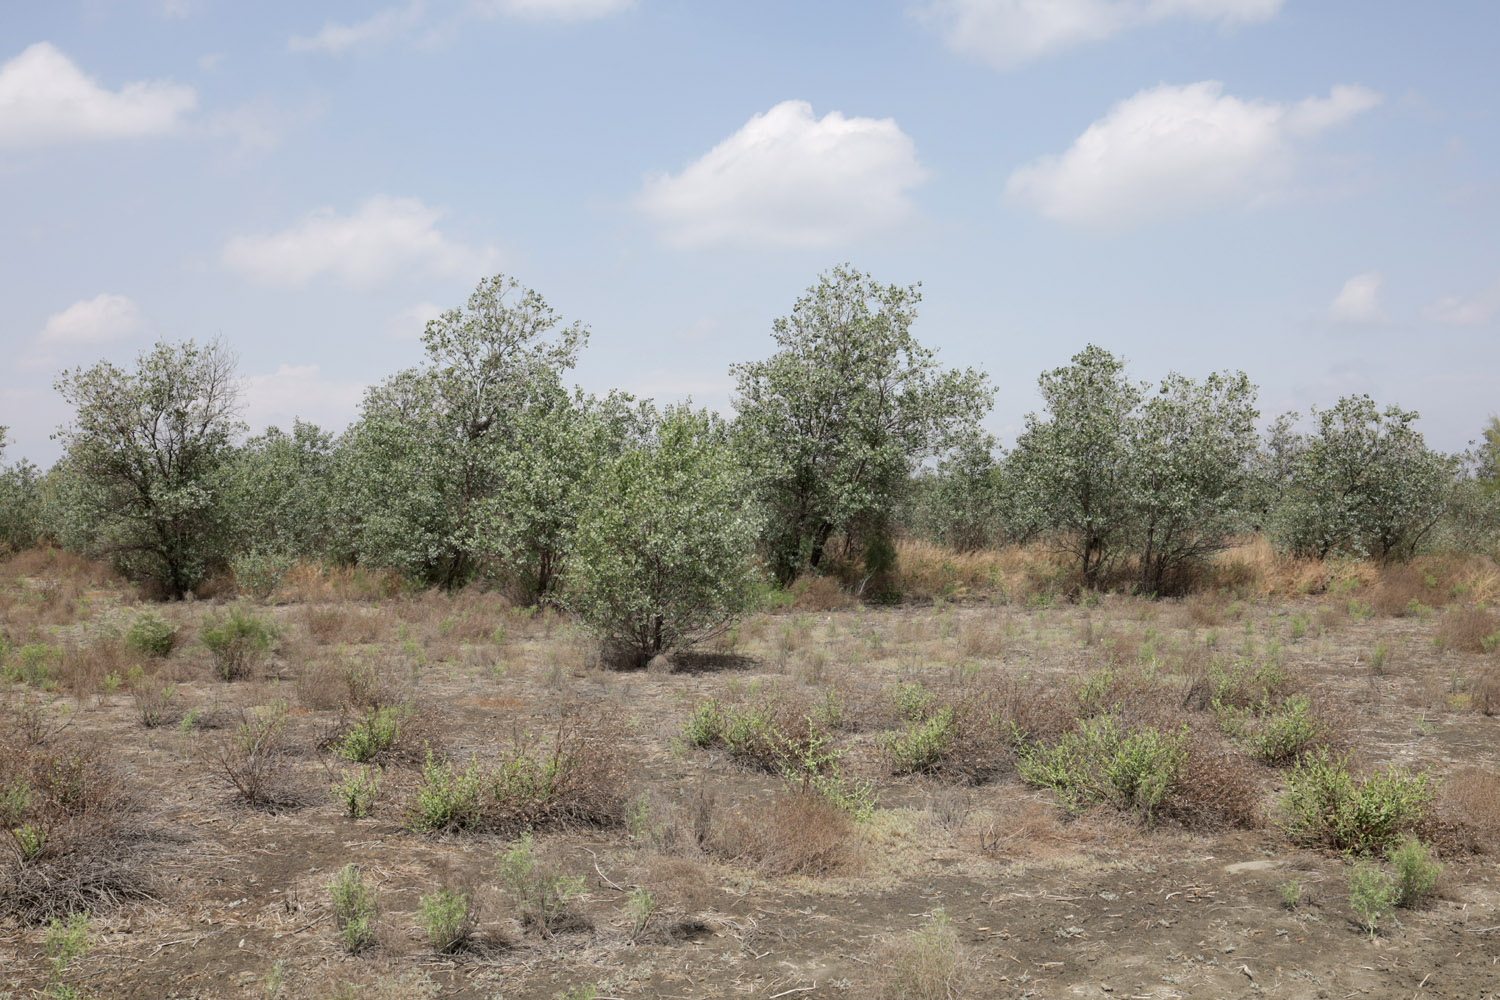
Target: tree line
{"x": 659, "y": 524}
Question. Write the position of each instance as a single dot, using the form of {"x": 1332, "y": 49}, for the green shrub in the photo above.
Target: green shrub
{"x": 354, "y": 909}
{"x": 447, "y": 798}
{"x": 257, "y": 574}
{"x": 923, "y": 746}
{"x": 151, "y": 635}
{"x": 32, "y": 665}
{"x": 1417, "y": 872}
{"x": 1372, "y": 895}
{"x": 1286, "y": 732}
{"x": 447, "y": 918}
{"x": 541, "y": 894}
{"x": 372, "y": 735}
{"x": 1291, "y": 894}
{"x": 1097, "y": 763}
{"x": 1325, "y": 804}
{"x": 238, "y": 641}
{"x": 65, "y": 943}
{"x": 355, "y": 792}
{"x": 772, "y": 735}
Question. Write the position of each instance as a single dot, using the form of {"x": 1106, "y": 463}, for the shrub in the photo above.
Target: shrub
{"x": 1286, "y": 732}
{"x": 447, "y": 798}
{"x": 1417, "y": 871}
{"x": 1325, "y": 804}
{"x": 448, "y": 918}
{"x": 34, "y": 665}
{"x": 542, "y": 894}
{"x": 355, "y": 792}
{"x": 923, "y": 746}
{"x": 238, "y": 641}
{"x": 151, "y": 635}
{"x": 253, "y": 757}
{"x": 1372, "y": 895}
{"x": 926, "y": 964}
{"x": 153, "y": 699}
{"x": 663, "y": 554}
{"x": 1134, "y": 770}
{"x": 776, "y": 734}
{"x": 257, "y": 574}
{"x": 354, "y": 909}
{"x": 377, "y": 733}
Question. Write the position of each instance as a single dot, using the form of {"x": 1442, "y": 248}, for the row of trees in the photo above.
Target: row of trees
{"x": 655, "y": 523}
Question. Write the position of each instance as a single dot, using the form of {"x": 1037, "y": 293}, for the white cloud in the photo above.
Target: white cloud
{"x": 789, "y": 179}
{"x": 300, "y": 391}
{"x": 336, "y": 38}
{"x": 1008, "y": 33}
{"x": 410, "y": 324}
{"x": 1358, "y": 302}
{"x": 1173, "y": 149}
{"x": 381, "y": 238}
{"x": 559, "y": 10}
{"x": 91, "y": 321}
{"x": 45, "y": 98}
{"x": 1472, "y": 310}
{"x": 258, "y": 126}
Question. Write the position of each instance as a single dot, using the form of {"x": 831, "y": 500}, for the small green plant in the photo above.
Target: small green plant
{"x": 237, "y": 641}
{"x": 911, "y": 701}
{"x": 1417, "y": 872}
{"x": 1299, "y": 625}
{"x": 372, "y": 735}
{"x": 1291, "y": 894}
{"x": 1378, "y": 657}
{"x": 355, "y": 792}
{"x": 151, "y": 635}
{"x": 448, "y": 919}
{"x": 1372, "y": 895}
{"x": 587, "y": 991}
{"x": 65, "y": 943}
{"x": 541, "y": 894}
{"x": 354, "y": 909}
{"x": 922, "y": 746}
{"x": 1286, "y": 732}
{"x": 641, "y": 907}
{"x": 275, "y": 979}
{"x": 1325, "y": 804}
{"x": 448, "y": 798}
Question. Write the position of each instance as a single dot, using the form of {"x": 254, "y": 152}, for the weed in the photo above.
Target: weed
{"x": 153, "y": 698}
{"x": 541, "y": 894}
{"x": 354, "y": 909}
{"x": 640, "y": 906}
{"x": 1097, "y": 762}
{"x": 253, "y": 756}
{"x": 1417, "y": 872}
{"x": 923, "y": 746}
{"x": 355, "y": 792}
{"x": 447, "y": 798}
{"x": 448, "y": 919}
{"x": 1291, "y": 894}
{"x": 1372, "y": 895}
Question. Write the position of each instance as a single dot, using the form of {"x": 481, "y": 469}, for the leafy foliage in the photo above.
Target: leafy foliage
{"x": 1325, "y": 804}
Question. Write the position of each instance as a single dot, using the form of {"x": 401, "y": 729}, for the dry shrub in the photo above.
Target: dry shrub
{"x": 798, "y": 833}
{"x": 1028, "y": 710}
{"x": 1332, "y": 615}
{"x": 347, "y": 625}
{"x": 255, "y": 759}
{"x": 1484, "y": 691}
{"x": 819, "y": 593}
{"x": 1398, "y": 589}
{"x": 1466, "y": 816}
{"x": 1472, "y": 629}
{"x": 1215, "y": 788}
{"x": 310, "y": 582}
{"x": 85, "y": 665}
{"x": 364, "y": 680}
{"x": 1204, "y": 610}
{"x": 1122, "y": 647}
{"x": 70, "y": 839}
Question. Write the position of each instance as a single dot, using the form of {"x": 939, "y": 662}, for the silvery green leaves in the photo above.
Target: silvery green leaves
{"x": 662, "y": 555}
{"x": 835, "y": 422}
{"x": 147, "y": 451}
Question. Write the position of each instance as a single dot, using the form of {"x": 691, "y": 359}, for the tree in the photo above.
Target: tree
{"x": 1073, "y": 471}
{"x": 1192, "y": 447}
{"x": 433, "y": 442}
{"x": 20, "y": 502}
{"x": 963, "y": 502}
{"x": 835, "y": 422}
{"x": 279, "y": 490}
{"x": 146, "y": 451}
{"x": 1364, "y": 483}
{"x": 663, "y": 551}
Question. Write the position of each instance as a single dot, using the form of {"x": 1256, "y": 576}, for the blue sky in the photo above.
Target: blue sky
{"x": 1308, "y": 191}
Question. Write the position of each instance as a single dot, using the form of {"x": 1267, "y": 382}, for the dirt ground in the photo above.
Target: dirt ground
{"x": 1044, "y": 902}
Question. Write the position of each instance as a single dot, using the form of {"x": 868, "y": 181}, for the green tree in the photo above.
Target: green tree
{"x": 146, "y": 453}
{"x": 279, "y": 491}
{"x": 963, "y": 502}
{"x": 20, "y": 502}
{"x": 1192, "y": 448}
{"x": 834, "y": 423}
{"x": 1363, "y": 483}
{"x": 434, "y": 442}
{"x": 663, "y": 551}
{"x": 1073, "y": 470}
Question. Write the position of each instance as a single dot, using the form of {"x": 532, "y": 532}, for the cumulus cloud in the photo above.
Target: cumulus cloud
{"x": 337, "y": 38}
{"x": 1358, "y": 302}
{"x": 1173, "y": 149}
{"x": 787, "y": 178}
{"x": 300, "y": 391}
{"x": 558, "y": 10}
{"x": 381, "y": 238}
{"x": 1009, "y": 33}
{"x": 46, "y": 99}
{"x": 91, "y": 321}
{"x": 1470, "y": 310}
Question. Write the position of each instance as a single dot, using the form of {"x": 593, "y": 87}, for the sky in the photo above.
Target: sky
{"x": 1306, "y": 190}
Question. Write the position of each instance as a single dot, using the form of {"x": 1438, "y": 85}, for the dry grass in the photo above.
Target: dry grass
{"x": 1466, "y": 815}
{"x": 317, "y": 583}
{"x": 330, "y": 624}
{"x": 798, "y": 833}
{"x": 1469, "y": 629}
{"x": 819, "y": 593}
{"x": 1484, "y": 691}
